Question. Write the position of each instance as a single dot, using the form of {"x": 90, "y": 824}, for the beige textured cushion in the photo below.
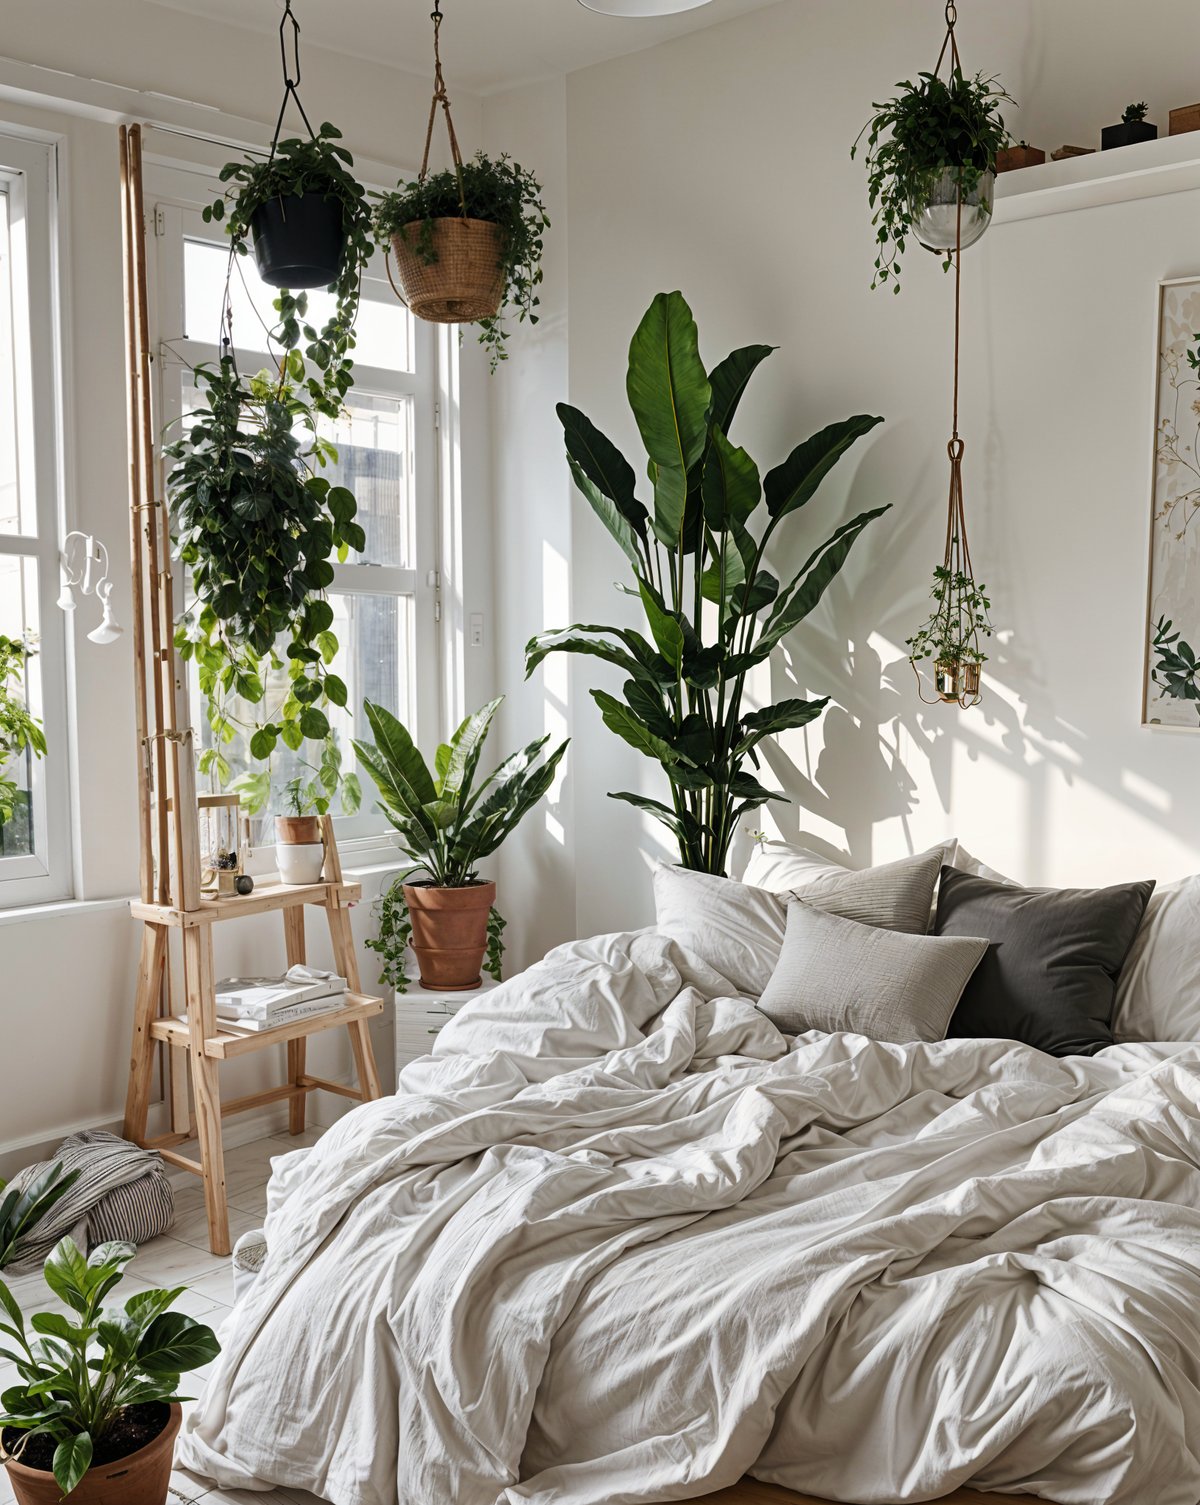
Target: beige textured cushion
{"x": 835, "y": 974}
{"x": 893, "y": 896}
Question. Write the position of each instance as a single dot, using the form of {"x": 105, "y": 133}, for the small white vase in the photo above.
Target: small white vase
{"x": 300, "y": 863}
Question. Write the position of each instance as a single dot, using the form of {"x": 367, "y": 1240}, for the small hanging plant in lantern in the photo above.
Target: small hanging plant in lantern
{"x": 931, "y": 151}
{"x": 467, "y": 241}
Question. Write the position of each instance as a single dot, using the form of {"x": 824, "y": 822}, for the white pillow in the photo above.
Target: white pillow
{"x": 1158, "y": 991}
{"x": 965, "y": 863}
{"x": 738, "y": 930}
{"x": 782, "y": 866}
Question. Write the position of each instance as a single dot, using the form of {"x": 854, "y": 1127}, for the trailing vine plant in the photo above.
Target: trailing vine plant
{"x": 959, "y": 620}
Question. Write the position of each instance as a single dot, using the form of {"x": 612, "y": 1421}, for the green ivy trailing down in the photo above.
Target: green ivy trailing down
{"x": 446, "y": 823}
{"x": 297, "y": 166}
{"x": 501, "y": 192}
{"x": 713, "y": 609}
{"x": 19, "y": 729}
{"x": 929, "y": 127}
{"x": 960, "y": 618}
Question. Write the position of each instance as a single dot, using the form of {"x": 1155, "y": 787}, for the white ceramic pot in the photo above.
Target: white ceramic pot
{"x": 300, "y": 863}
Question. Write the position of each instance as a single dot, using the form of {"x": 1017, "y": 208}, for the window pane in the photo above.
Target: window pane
{"x": 384, "y": 332}
{"x": 375, "y": 635}
{"x": 20, "y": 836}
{"x": 10, "y": 496}
{"x": 374, "y": 439}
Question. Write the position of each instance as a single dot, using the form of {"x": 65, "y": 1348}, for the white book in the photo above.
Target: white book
{"x": 259, "y": 997}
{"x": 305, "y": 1010}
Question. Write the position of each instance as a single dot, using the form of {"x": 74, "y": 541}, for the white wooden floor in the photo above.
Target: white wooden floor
{"x": 182, "y": 1258}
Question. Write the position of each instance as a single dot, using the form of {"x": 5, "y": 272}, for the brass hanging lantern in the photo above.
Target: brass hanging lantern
{"x": 952, "y": 634}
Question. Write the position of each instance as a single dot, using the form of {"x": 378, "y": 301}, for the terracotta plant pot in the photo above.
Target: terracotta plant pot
{"x": 449, "y": 933}
{"x": 141, "y": 1478}
{"x": 297, "y": 830}
{"x": 463, "y": 283}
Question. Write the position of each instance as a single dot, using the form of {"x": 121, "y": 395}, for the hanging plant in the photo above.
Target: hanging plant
{"x": 467, "y": 241}
{"x": 929, "y": 149}
{"x": 952, "y": 636}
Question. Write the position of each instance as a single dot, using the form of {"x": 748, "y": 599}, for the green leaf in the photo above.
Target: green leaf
{"x": 728, "y": 380}
{"x": 664, "y": 629}
{"x": 72, "y": 1459}
{"x": 791, "y": 484}
{"x": 608, "y": 513}
{"x": 620, "y": 719}
{"x": 314, "y": 723}
{"x": 399, "y": 753}
{"x": 784, "y": 715}
{"x": 67, "y": 1274}
{"x": 730, "y": 488}
{"x": 669, "y": 393}
{"x": 175, "y": 1343}
{"x": 465, "y": 748}
{"x": 262, "y": 743}
{"x": 682, "y": 823}
{"x": 603, "y": 464}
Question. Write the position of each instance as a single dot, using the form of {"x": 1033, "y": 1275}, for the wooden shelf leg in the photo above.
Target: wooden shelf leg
{"x": 293, "y": 935}
{"x": 200, "y": 981}
{"x": 360, "y": 1033}
{"x": 143, "y": 1051}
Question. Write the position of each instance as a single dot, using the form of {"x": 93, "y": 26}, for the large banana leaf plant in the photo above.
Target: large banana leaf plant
{"x": 446, "y": 823}
{"x": 713, "y": 610}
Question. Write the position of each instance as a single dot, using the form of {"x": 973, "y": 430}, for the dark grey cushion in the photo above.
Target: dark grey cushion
{"x": 1050, "y": 973}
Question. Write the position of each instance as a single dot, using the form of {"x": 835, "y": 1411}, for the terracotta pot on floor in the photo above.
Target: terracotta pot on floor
{"x": 449, "y": 933}
{"x": 141, "y": 1478}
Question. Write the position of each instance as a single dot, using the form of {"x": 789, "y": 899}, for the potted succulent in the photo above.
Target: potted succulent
{"x": 951, "y": 635}
{"x": 1013, "y": 158}
{"x": 299, "y": 849}
{"x": 1133, "y": 127}
{"x": 303, "y": 211}
{"x": 468, "y": 245}
{"x": 932, "y": 145}
{"x": 95, "y": 1411}
{"x": 447, "y": 824}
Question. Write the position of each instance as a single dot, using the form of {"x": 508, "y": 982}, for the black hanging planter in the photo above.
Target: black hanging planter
{"x": 298, "y": 240}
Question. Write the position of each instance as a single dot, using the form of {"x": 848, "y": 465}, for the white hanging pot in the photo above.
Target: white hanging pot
{"x": 936, "y": 222}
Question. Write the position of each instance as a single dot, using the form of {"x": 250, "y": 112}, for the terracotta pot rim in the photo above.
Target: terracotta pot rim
{"x": 167, "y": 1431}
{"x": 449, "y": 888}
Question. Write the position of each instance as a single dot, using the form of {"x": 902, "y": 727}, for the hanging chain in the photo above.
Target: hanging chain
{"x": 291, "y": 86}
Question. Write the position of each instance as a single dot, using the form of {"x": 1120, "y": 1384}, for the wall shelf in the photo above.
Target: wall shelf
{"x": 1169, "y": 165}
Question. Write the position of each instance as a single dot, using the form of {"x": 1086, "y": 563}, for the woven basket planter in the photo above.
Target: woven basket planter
{"x": 464, "y": 283}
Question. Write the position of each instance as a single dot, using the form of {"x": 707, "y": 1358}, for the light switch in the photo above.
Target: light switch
{"x": 475, "y": 630}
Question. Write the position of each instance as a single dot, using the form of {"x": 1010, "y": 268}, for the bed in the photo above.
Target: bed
{"x": 621, "y": 1240}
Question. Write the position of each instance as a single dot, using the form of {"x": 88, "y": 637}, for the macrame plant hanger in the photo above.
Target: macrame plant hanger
{"x": 958, "y": 681}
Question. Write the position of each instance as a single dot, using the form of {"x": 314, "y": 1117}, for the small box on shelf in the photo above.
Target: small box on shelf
{"x": 1012, "y": 158}
{"x": 1184, "y": 119}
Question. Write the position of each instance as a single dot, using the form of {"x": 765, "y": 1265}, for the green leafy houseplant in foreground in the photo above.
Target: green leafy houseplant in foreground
{"x": 19, "y": 730}
{"x": 84, "y": 1376}
{"x": 446, "y": 822}
{"x": 496, "y": 191}
{"x": 713, "y": 609}
{"x": 927, "y": 129}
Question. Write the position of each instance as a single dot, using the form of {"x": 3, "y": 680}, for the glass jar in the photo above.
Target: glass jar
{"x": 935, "y": 223}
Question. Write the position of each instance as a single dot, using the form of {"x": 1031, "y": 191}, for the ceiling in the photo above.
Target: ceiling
{"x": 489, "y": 44}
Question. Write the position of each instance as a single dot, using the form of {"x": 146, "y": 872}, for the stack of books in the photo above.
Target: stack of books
{"x": 251, "y": 1004}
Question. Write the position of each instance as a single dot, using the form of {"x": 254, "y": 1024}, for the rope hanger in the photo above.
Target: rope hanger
{"x": 440, "y": 97}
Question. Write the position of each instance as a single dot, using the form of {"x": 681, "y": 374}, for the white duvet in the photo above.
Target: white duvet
{"x": 618, "y": 1242}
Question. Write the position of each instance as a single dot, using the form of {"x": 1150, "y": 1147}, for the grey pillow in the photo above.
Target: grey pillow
{"x": 893, "y": 896}
{"x": 836, "y": 974}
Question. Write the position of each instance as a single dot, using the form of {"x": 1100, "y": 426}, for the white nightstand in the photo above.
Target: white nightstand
{"x": 421, "y": 1012}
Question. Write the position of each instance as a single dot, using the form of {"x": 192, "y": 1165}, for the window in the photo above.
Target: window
{"x": 384, "y": 600}
{"x": 34, "y": 851}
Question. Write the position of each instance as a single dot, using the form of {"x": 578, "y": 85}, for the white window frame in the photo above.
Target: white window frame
{"x": 29, "y": 176}
{"x": 176, "y": 195}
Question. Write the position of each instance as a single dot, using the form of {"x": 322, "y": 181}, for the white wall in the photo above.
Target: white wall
{"x": 68, "y": 972}
{"x": 719, "y": 164}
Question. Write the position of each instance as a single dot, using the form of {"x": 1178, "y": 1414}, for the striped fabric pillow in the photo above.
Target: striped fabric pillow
{"x": 894, "y": 896}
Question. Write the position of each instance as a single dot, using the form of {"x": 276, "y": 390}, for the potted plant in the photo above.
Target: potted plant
{"x": 713, "y": 610}
{"x": 95, "y": 1411}
{"x": 304, "y": 213}
{"x": 932, "y": 145}
{"x": 1013, "y": 158}
{"x": 1133, "y": 127}
{"x": 299, "y": 849}
{"x": 468, "y": 245}
{"x": 20, "y": 731}
{"x": 951, "y": 635}
{"x": 447, "y": 824}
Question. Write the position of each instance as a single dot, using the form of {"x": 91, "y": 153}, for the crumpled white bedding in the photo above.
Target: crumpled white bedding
{"x": 617, "y": 1242}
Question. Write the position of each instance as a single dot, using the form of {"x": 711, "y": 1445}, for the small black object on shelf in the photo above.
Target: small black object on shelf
{"x": 244, "y": 883}
{"x": 1133, "y": 127}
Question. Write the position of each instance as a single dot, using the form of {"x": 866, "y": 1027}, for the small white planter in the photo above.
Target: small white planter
{"x": 300, "y": 863}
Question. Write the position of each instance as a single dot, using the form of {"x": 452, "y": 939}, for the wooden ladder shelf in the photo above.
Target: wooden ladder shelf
{"x": 170, "y": 902}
